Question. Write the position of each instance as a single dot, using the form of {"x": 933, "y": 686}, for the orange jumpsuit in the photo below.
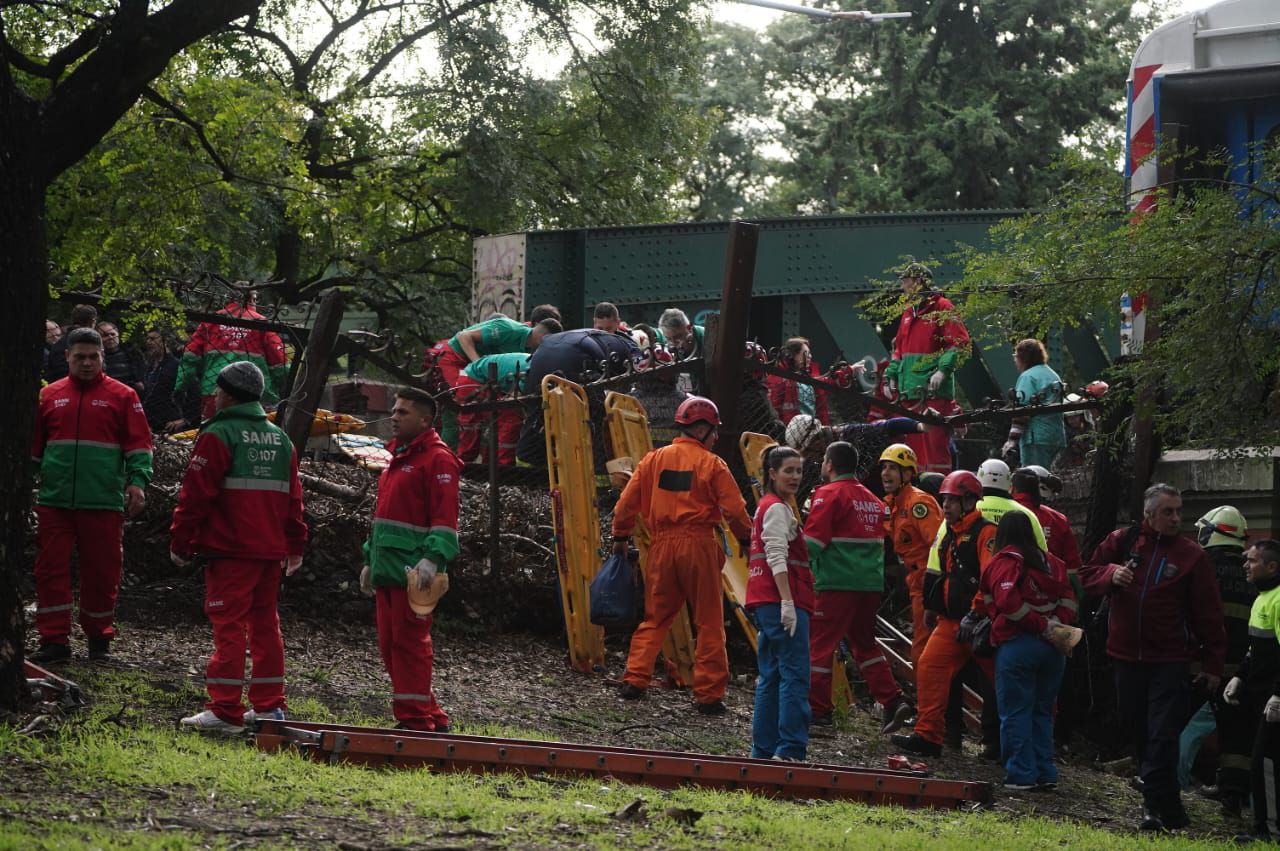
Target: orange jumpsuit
{"x": 912, "y": 526}
{"x": 943, "y": 656}
{"x": 682, "y": 492}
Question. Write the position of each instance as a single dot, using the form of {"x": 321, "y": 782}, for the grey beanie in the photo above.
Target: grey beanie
{"x": 242, "y": 380}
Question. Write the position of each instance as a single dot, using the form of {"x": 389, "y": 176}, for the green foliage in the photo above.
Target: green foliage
{"x": 962, "y": 106}
{"x": 364, "y": 145}
{"x": 1205, "y": 256}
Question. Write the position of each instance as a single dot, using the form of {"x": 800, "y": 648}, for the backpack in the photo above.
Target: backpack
{"x": 617, "y": 594}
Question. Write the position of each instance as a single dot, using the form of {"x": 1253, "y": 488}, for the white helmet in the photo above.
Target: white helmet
{"x": 801, "y": 431}
{"x": 994, "y": 474}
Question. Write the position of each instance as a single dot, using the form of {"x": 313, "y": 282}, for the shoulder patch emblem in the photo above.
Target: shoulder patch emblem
{"x": 919, "y": 511}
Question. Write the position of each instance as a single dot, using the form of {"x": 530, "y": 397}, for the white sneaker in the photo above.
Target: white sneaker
{"x": 251, "y": 715}
{"x": 207, "y": 722}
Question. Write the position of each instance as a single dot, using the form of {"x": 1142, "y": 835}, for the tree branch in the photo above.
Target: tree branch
{"x": 196, "y": 127}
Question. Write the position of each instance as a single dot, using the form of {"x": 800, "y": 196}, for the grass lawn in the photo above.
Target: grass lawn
{"x": 117, "y": 775}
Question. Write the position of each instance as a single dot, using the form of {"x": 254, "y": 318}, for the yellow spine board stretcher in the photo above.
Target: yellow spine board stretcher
{"x": 571, "y": 476}
{"x": 322, "y": 423}
{"x": 752, "y": 446}
{"x": 629, "y": 435}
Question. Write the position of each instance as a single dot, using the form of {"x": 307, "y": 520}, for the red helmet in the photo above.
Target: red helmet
{"x": 697, "y": 409}
{"x": 961, "y": 483}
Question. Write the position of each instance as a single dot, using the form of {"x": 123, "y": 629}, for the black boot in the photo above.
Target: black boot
{"x": 630, "y": 692}
{"x": 99, "y": 649}
{"x": 1174, "y": 816}
{"x": 51, "y": 653}
{"x": 1150, "y": 820}
{"x": 917, "y": 744}
{"x": 896, "y": 714}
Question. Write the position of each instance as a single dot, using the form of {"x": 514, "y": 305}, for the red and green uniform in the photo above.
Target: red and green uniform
{"x": 498, "y": 336}
{"x": 214, "y": 346}
{"x": 930, "y": 338}
{"x": 845, "y": 534}
{"x": 240, "y": 507}
{"x": 416, "y": 517}
{"x": 511, "y": 370}
{"x": 91, "y": 441}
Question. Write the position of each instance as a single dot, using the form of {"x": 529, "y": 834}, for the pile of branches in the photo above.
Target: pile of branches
{"x": 519, "y": 590}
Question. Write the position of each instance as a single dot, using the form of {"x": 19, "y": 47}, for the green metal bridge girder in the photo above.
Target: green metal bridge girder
{"x": 810, "y": 274}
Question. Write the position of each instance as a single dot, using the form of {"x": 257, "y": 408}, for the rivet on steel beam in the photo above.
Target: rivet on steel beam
{"x": 551, "y": 757}
{"x": 449, "y": 750}
{"x": 502, "y": 753}
{"x": 600, "y": 762}
{"x": 697, "y": 768}
{"x": 648, "y": 765}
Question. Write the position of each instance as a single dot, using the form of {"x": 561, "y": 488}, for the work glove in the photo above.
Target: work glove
{"x": 426, "y": 570}
{"x": 366, "y": 581}
{"x": 1272, "y": 713}
{"x": 935, "y": 381}
{"x": 1231, "y": 694}
{"x": 1009, "y": 449}
{"x": 968, "y": 626}
{"x": 178, "y": 560}
{"x": 789, "y": 617}
{"x": 291, "y": 565}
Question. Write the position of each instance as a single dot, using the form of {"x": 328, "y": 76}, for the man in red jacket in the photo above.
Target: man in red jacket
{"x": 92, "y": 446}
{"x": 1165, "y": 611}
{"x": 240, "y": 509}
{"x": 413, "y": 537}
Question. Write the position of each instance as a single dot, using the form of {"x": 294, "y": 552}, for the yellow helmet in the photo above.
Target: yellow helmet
{"x": 902, "y": 455}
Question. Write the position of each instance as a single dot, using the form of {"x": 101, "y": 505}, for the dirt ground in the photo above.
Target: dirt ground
{"x": 521, "y": 681}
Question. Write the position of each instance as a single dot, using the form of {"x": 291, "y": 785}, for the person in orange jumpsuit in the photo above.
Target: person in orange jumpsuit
{"x": 683, "y": 491}
{"x": 911, "y": 524}
{"x": 950, "y": 595}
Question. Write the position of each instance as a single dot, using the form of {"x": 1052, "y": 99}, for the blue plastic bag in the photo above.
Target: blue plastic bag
{"x": 617, "y": 595}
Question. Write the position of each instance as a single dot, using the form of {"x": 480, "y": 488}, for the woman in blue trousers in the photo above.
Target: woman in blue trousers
{"x": 1029, "y": 600}
{"x": 780, "y": 599}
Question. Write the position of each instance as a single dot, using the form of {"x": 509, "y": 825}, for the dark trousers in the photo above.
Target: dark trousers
{"x": 1153, "y": 699}
{"x": 973, "y": 677}
{"x": 1265, "y": 771}
{"x": 1237, "y": 727}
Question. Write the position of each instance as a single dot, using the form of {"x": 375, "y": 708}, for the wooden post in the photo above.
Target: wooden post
{"x": 726, "y": 345}
{"x": 320, "y": 344}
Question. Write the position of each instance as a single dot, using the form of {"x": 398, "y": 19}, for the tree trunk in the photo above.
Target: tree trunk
{"x": 23, "y": 275}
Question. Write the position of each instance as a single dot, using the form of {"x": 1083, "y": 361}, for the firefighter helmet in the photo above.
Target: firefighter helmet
{"x": 1223, "y": 526}
{"x": 697, "y": 409}
{"x": 902, "y": 455}
{"x": 994, "y": 473}
{"x": 961, "y": 483}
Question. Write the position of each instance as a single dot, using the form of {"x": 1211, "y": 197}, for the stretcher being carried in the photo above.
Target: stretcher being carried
{"x": 631, "y": 439}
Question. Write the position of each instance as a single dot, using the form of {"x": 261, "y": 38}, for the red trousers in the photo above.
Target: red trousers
{"x": 509, "y": 422}
{"x": 240, "y": 599}
{"x": 683, "y": 568}
{"x": 942, "y": 659}
{"x": 933, "y": 450}
{"x": 98, "y": 539}
{"x": 850, "y": 615}
{"x": 404, "y": 639}
{"x": 919, "y": 632}
{"x": 451, "y": 365}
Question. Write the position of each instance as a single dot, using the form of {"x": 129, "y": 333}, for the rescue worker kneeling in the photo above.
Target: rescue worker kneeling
{"x": 682, "y": 491}
{"x": 951, "y": 602}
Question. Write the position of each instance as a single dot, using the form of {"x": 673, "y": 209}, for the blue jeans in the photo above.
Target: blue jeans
{"x": 1028, "y": 675}
{"x": 780, "y": 725}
